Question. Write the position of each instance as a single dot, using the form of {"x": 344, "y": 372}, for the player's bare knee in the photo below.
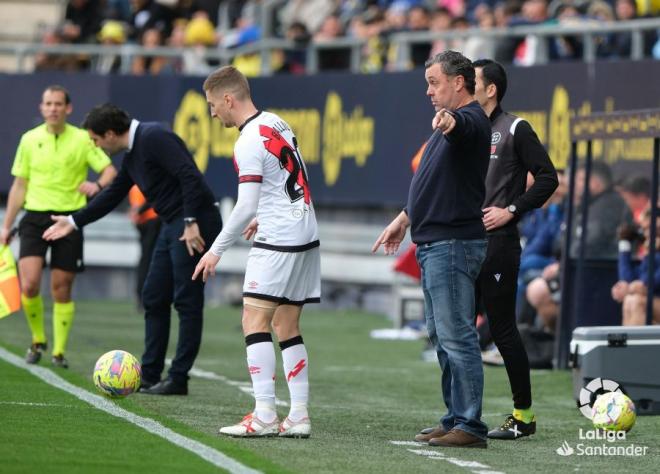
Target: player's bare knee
{"x": 256, "y": 316}
{"x": 30, "y": 288}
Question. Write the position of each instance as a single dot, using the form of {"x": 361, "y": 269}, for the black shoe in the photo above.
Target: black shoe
{"x": 146, "y": 384}
{"x": 60, "y": 361}
{"x": 167, "y": 387}
{"x": 33, "y": 354}
{"x": 513, "y": 428}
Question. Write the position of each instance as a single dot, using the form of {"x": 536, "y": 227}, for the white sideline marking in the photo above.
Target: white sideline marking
{"x": 31, "y": 404}
{"x": 428, "y": 453}
{"x": 461, "y": 463}
{"x": 245, "y": 387}
{"x": 207, "y": 453}
{"x": 475, "y": 467}
{"x": 408, "y": 443}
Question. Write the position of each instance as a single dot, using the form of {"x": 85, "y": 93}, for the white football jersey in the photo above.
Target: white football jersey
{"x": 267, "y": 152}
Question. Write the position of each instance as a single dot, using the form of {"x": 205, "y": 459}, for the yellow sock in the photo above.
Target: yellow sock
{"x": 525, "y": 415}
{"x": 62, "y": 319}
{"x": 34, "y": 313}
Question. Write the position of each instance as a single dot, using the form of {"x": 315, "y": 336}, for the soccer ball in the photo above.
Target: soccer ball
{"x": 117, "y": 374}
{"x": 613, "y": 411}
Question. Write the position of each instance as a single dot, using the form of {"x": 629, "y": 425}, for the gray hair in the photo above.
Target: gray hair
{"x": 454, "y": 63}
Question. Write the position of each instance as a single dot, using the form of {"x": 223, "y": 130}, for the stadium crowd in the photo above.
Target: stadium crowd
{"x": 197, "y": 26}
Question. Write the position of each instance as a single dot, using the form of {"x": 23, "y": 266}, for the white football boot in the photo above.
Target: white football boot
{"x": 251, "y": 426}
{"x": 295, "y": 429}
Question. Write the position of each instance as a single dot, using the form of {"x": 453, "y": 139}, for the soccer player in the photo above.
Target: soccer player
{"x": 50, "y": 177}
{"x": 157, "y": 161}
{"x": 283, "y": 268}
{"x": 444, "y": 215}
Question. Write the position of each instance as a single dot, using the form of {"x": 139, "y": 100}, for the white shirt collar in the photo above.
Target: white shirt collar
{"x": 131, "y": 133}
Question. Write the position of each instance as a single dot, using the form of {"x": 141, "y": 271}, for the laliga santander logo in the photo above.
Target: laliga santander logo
{"x": 592, "y": 390}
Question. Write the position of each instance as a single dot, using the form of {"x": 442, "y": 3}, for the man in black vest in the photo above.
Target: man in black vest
{"x": 515, "y": 152}
{"x": 157, "y": 161}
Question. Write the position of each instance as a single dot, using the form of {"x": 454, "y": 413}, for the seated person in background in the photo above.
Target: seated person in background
{"x": 151, "y": 38}
{"x": 632, "y": 288}
{"x": 636, "y": 192}
{"x": 607, "y": 211}
{"x": 538, "y": 250}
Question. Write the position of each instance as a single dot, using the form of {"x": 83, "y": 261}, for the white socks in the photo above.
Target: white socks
{"x": 261, "y": 365}
{"x": 295, "y": 362}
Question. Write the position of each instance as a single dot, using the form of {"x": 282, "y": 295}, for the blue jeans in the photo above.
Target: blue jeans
{"x": 449, "y": 271}
{"x": 169, "y": 281}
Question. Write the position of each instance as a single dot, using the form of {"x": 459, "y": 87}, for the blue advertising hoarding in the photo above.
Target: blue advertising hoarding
{"x": 357, "y": 133}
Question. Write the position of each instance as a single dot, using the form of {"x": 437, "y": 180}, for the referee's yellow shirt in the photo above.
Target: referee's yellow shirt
{"x": 55, "y": 165}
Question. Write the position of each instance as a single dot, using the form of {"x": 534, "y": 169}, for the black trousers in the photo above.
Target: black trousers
{"x": 496, "y": 294}
{"x": 149, "y": 231}
{"x": 169, "y": 284}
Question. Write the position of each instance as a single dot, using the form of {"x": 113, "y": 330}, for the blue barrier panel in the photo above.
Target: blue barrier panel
{"x": 357, "y": 133}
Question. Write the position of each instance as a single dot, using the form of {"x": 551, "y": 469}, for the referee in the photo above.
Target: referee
{"x": 515, "y": 152}
{"x": 50, "y": 172}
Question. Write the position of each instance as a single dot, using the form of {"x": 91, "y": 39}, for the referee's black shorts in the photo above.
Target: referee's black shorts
{"x": 65, "y": 254}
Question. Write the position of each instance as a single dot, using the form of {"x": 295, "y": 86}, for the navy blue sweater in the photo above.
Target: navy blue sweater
{"x": 162, "y": 167}
{"x": 448, "y": 189}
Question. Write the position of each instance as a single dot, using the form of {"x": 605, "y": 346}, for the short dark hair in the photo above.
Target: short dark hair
{"x": 637, "y": 184}
{"x": 493, "y": 73}
{"x": 58, "y": 88}
{"x": 107, "y": 117}
{"x": 602, "y": 171}
{"x": 454, "y": 63}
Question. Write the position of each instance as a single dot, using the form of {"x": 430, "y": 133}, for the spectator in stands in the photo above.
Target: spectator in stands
{"x": 636, "y": 192}
{"x": 601, "y": 11}
{"x": 533, "y": 12}
{"x": 160, "y": 162}
{"x": 310, "y": 12}
{"x": 444, "y": 213}
{"x": 118, "y": 10}
{"x": 82, "y": 20}
{"x": 370, "y": 26}
{"x": 151, "y": 38}
{"x": 633, "y": 286}
{"x": 199, "y": 35}
{"x": 112, "y": 34}
{"x": 440, "y": 22}
{"x": 419, "y": 19}
{"x": 622, "y": 41}
{"x": 43, "y": 187}
{"x": 607, "y": 210}
{"x": 505, "y": 12}
{"x": 58, "y": 62}
{"x": 293, "y": 60}
{"x": 477, "y": 47}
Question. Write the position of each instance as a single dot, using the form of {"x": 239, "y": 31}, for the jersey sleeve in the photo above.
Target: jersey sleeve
{"x": 249, "y": 154}
{"x": 21, "y": 166}
{"x": 94, "y": 155}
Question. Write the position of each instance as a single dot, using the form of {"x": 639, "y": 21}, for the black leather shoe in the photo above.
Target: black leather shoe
{"x": 167, "y": 387}
{"x": 145, "y": 385}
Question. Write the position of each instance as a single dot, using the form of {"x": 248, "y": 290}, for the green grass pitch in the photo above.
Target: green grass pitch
{"x": 365, "y": 393}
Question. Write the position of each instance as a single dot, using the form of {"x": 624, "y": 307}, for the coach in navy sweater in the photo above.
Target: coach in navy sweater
{"x": 445, "y": 219}
{"x": 159, "y": 163}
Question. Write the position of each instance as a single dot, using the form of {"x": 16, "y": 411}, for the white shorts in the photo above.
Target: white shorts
{"x": 284, "y": 277}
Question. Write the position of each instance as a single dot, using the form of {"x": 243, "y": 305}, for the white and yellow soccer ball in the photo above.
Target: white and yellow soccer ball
{"x": 613, "y": 411}
{"x": 117, "y": 374}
